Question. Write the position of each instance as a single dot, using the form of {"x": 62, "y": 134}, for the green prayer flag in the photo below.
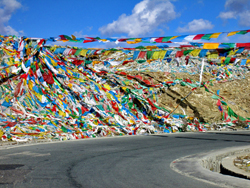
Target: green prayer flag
{"x": 100, "y": 107}
{"x": 149, "y": 54}
{"x": 227, "y": 60}
{"x": 242, "y": 118}
{"x": 77, "y": 52}
{"x": 79, "y": 109}
{"x": 141, "y": 61}
{"x": 130, "y": 104}
{"x": 206, "y": 36}
{"x": 242, "y": 32}
{"x": 87, "y": 62}
{"x": 187, "y": 52}
{"x": 215, "y": 97}
{"x": 183, "y": 84}
{"x": 64, "y": 129}
{"x": 231, "y": 112}
{"x": 140, "y": 47}
{"x": 231, "y": 45}
{"x": 67, "y": 37}
{"x": 166, "y": 39}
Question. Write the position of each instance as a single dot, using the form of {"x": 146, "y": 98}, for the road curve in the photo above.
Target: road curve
{"x": 130, "y": 161}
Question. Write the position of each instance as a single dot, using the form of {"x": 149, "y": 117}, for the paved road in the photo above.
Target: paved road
{"x": 135, "y": 161}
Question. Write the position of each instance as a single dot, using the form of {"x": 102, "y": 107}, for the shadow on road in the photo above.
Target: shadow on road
{"x": 210, "y": 139}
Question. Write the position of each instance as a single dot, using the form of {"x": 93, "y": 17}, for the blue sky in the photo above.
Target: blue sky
{"x": 131, "y": 18}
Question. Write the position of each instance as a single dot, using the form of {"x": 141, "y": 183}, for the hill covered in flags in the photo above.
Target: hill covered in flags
{"x": 73, "y": 93}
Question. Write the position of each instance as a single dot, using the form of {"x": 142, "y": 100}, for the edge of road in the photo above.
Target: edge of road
{"x": 206, "y": 167}
{"x": 228, "y": 166}
{"x": 12, "y": 144}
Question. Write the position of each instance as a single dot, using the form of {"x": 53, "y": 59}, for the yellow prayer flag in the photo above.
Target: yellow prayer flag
{"x": 73, "y": 37}
{"x": 81, "y": 80}
{"x": 70, "y": 72}
{"x": 131, "y": 42}
{"x": 104, "y": 40}
{"x": 70, "y": 85}
{"x": 232, "y": 52}
{"x": 109, "y": 96}
{"x": 61, "y": 113}
{"x": 7, "y": 70}
{"x": 53, "y": 48}
{"x": 173, "y": 37}
{"x": 162, "y": 54}
{"x": 195, "y": 52}
{"x": 134, "y": 41}
{"x": 83, "y": 52}
{"x": 107, "y": 53}
{"x": 119, "y": 97}
{"x": 124, "y": 88}
{"x": 222, "y": 59}
{"x": 151, "y": 47}
{"x": 232, "y": 33}
{"x": 106, "y": 86}
{"x": 156, "y": 55}
{"x": 53, "y": 62}
{"x": 131, "y": 121}
{"x": 154, "y": 97}
{"x": 60, "y": 102}
{"x": 138, "y": 40}
{"x": 30, "y": 85}
{"x": 39, "y": 96}
{"x": 28, "y": 51}
{"x": 212, "y": 55}
{"x": 126, "y": 83}
{"x": 96, "y": 62}
{"x": 211, "y": 45}
{"x": 215, "y": 35}
{"x": 7, "y": 99}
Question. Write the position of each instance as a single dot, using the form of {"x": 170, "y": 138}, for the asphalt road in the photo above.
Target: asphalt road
{"x": 131, "y": 161}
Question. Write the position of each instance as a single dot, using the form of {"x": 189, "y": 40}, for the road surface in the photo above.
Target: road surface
{"x": 129, "y": 161}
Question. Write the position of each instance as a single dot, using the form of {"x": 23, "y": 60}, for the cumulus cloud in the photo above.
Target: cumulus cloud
{"x": 196, "y": 25}
{"x": 79, "y": 34}
{"x": 227, "y": 15}
{"x": 237, "y": 9}
{"x": 7, "y": 8}
{"x": 145, "y": 18}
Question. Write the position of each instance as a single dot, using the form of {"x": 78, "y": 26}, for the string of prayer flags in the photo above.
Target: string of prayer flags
{"x": 164, "y": 39}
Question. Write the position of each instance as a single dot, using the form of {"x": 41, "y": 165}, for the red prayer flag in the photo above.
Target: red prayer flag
{"x": 238, "y": 45}
{"x": 25, "y": 76}
{"x": 147, "y": 82}
{"x": 159, "y": 39}
{"x": 142, "y": 54}
{"x": 198, "y": 37}
{"x": 179, "y": 54}
{"x": 130, "y": 77}
{"x": 139, "y": 77}
{"x": 218, "y": 103}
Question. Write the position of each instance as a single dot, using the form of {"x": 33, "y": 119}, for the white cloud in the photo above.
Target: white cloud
{"x": 145, "y": 18}
{"x": 227, "y": 15}
{"x": 7, "y": 8}
{"x": 237, "y": 9}
{"x": 196, "y": 25}
{"x": 245, "y": 18}
{"x": 79, "y": 34}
